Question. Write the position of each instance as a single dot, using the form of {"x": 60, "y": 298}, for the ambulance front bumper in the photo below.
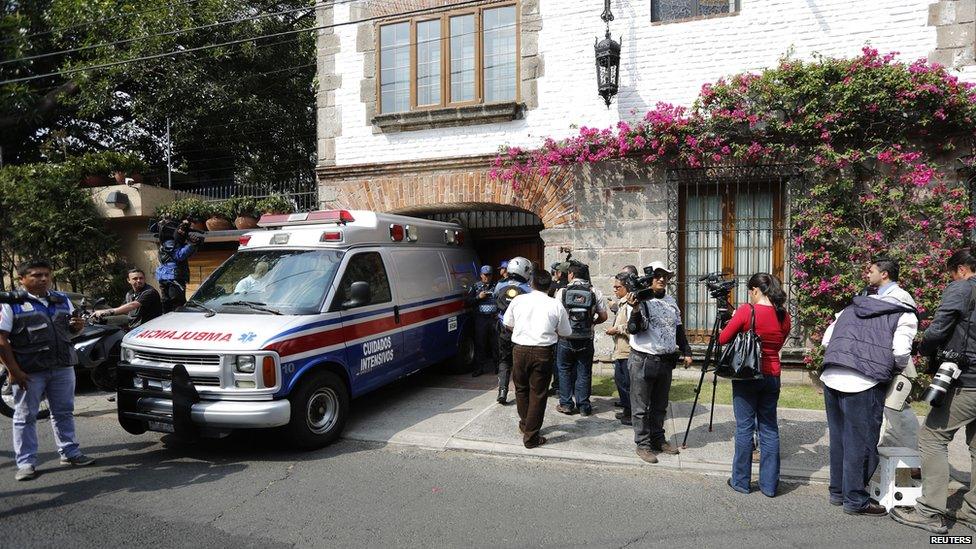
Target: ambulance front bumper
{"x": 225, "y": 414}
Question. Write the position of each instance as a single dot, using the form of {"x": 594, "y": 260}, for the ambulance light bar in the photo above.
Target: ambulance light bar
{"x": 306, "y": 218}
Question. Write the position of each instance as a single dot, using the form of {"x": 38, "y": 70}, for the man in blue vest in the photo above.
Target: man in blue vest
{"x": 518, "y": 271}
{"x": 482, "y": 298}
{"x": 35, "y": 346}
{"x": 175, "y": 248}
{"x": 868, "y": 343}
{"x": 574, "y": 353}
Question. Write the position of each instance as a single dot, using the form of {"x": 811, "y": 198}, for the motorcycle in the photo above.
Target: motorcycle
{"x": 97, "y": 346}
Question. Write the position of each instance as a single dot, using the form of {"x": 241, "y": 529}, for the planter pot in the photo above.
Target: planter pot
{"x": 218, "y": 224}
{"x": 136, "y": 177}
{"x": 94, "y": 181}
{"x": 198, "y": 225}
{"x": 246, "y": 222}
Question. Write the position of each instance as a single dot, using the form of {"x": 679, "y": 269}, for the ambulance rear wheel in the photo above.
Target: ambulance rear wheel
{"x": 319, "y": 409}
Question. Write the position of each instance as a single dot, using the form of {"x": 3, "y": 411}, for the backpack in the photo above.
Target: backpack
{"x": 579, "y": 301}
{"x": 508, "y": 293}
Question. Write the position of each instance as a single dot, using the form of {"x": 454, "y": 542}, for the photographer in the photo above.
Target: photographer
{"x": 951, "y": 331}
{"x": 574, "y": 353}
{"x": 35, "y": 345}
{"x": 657, "y": 340}
{"x": 177, "y": 245}
{"x": 621, "y": 346}
{"x": 142, "y": 302}
{"x": 754, "y": 400}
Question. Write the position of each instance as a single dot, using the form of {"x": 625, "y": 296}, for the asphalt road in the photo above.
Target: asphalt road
{"x": 246, "y": 491}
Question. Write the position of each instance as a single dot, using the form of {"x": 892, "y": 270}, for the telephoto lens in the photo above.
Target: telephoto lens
{"x": 941, "y": 382}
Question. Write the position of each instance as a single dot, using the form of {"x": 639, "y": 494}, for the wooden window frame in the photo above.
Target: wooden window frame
{"x": 445, "y": 18}
{"x": 727, "y": 201}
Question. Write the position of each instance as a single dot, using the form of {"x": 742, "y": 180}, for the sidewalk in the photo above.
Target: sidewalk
{"x": 434, "y": 416}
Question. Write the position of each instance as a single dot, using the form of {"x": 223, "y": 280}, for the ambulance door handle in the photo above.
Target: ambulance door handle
{"x": 396, "y": 313}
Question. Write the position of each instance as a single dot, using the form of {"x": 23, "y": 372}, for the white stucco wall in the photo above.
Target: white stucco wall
{"x": 665, "y": 62}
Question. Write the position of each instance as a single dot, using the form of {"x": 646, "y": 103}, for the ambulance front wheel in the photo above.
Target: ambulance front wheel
{"x": 319, "y": 409}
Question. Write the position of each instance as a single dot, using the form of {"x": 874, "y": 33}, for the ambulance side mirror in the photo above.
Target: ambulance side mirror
{"x": 359, "y": 295}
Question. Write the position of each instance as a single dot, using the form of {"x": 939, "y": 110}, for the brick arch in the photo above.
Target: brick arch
{"x": 549, "y": 197}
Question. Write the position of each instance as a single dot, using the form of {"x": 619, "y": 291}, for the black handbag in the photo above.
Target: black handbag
{"x": 742, "y": 359}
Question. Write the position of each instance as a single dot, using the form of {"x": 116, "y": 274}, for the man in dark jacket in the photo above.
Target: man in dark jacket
{"x": 482, "y": 298}
{"x": 952, "y": 328}
{"x": 870, "y": 341}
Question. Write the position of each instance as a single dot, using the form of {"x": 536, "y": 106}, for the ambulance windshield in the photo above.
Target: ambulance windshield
{"x": 271, "y": 282}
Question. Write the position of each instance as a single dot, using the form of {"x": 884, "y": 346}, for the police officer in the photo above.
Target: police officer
{"x": 482, "y": 297}
{"x": 574, "y": 353}
{"x": 503, "y": 271}
{"x": 519, "y": 271}
{"x": 35, "y": 346}
{"x": 173, "y": 272}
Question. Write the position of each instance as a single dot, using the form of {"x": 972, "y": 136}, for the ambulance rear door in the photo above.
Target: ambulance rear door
{"x": 372, "y": 332}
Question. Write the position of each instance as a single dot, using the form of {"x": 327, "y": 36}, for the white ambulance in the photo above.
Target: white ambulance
{"x": 314, "y": 310}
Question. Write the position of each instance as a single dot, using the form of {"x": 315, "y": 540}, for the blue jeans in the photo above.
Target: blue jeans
{"x": 621, "y": 377}
{"x": 752, "y": 401}
{"x": 59, "y": 386}
{"x": 854, "y": 425}
{"x": 574, "y": 361}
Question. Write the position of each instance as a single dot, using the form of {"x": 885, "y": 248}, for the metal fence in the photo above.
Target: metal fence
{"x": 733, "y": 220}
{"x": 303, "y": 195}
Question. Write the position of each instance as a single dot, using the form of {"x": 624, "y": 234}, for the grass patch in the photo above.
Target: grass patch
{"x": 804, "y": 397}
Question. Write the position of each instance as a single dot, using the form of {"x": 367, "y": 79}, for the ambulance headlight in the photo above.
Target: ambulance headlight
{"x": 128, "y": 355}
{"x": 245, "y": 364}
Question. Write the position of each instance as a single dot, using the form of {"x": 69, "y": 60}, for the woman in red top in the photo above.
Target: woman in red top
{"x": 756, "y": 399}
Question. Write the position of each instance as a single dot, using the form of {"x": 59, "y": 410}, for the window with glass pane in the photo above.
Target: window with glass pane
{"x": 463, "y": 41}
{"x": 499, "y": 54}
{"x": 429, "y": 62}
{"x": 753, "y": 238}
{"x": 395, "y": 67}
{"x": 733, "y": 228}
{"x": 673, "y": 10}
{"x": 703, "y": 254}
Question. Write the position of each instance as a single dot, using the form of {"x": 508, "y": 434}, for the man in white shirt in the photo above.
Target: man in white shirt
{"x": 253, "y": 282}
{"x": 537, "y": 322}
{"x": 868, "y": 343}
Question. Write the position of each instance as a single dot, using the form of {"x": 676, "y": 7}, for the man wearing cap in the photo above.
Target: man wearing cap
{"x": 503, "y": 271}
{"x": 482, "y": 298}
{"x": 560, "y": 270}
{"x": 657, "y": 340}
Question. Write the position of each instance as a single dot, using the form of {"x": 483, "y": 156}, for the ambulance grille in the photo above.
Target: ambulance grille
{"x": 171, "y": 359}
{"x": 208, "y": 381}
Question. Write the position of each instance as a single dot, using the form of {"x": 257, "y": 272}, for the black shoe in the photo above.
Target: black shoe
{"x": 618, "y": 404}
{"x": 586, "y": 412}
{"x": 553, "y": 391}
{"x": 476, "y": 373}
{"x": 836, "y": 502}
{"x": 626, "y": 420}
{"x": 502, "y": 397}
{"x": 620, "y": 415}
{"x": 870, "y": 510}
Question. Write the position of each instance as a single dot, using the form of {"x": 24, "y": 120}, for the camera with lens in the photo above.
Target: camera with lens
{"x": 718, "y": 286}
{"x": 949, "y": 371}
{"x": 640, "y": 286}
{"x": 168, "y": 228}
{"x": 16, "y": 296}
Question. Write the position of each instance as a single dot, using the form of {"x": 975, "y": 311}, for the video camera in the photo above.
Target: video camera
{"x": 168, "y": 228}
{"x": 13, "y": 297}
{"x": 640, "y": 286}
{"x": 718, "y": 286}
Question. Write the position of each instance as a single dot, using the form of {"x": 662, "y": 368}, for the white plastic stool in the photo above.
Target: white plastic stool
{"x": 886, "y": 490}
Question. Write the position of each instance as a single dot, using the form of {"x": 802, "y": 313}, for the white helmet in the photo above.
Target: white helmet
{"x": 521, "y": 267}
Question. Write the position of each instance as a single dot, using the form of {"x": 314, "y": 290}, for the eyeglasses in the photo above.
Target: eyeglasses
{"x": 662, "y": 276}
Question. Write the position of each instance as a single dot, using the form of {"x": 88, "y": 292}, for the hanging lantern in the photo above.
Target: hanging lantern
{"x": 607, "y": 60}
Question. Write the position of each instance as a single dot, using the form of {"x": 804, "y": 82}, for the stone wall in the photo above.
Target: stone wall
{"x": 955, "y": 23}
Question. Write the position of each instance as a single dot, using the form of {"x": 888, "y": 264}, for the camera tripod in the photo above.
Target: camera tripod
{"x": 710, "y": 363}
